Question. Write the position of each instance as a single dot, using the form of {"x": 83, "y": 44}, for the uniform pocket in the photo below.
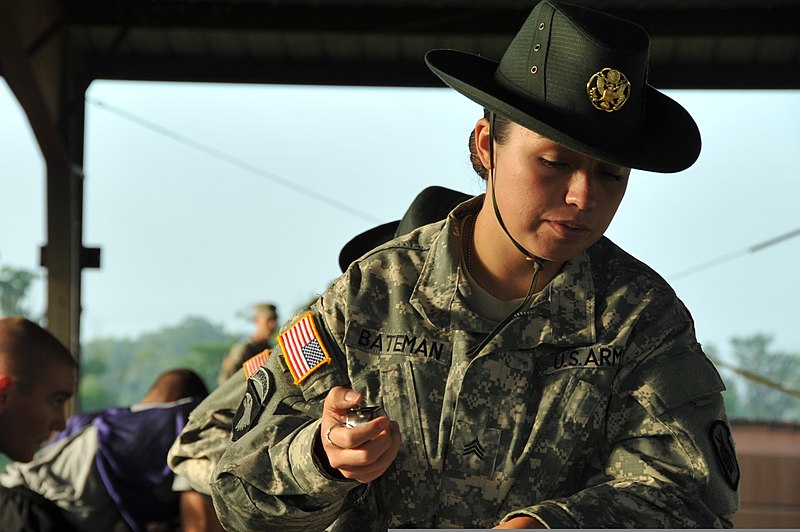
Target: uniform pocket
{"x": 539, "y": 453}
{"x": 685, "y": 378}
{"x": 560, "y": 448}
{"x": 408, "y": 489}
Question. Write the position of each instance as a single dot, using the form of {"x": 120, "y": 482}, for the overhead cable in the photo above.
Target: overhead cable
{"x": 213, "y": 152}
{"x": 733, "y": 255}
{"x": 756, "y": 378}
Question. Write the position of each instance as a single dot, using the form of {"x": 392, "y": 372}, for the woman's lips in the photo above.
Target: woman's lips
{"x": 568, "y": 229}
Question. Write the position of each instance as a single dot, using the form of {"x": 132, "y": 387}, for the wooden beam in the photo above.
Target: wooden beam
{"x": 682, "y": 18}
{"x": 32, "y": 58}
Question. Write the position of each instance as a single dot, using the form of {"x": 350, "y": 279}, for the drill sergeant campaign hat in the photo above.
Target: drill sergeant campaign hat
{"x": 434, "y": 203}
{"x": 579, "y": 77}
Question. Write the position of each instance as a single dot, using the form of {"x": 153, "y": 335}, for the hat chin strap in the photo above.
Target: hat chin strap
{"x": 537, "y": 261}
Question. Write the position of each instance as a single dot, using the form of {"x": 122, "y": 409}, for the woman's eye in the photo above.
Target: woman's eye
{"x": 551, "y": 164}
{"x": 612, "y": 175}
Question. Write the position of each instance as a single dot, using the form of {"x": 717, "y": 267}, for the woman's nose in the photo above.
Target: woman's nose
{"x": 580, "y": 193}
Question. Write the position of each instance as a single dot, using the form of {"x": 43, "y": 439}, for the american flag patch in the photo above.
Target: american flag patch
{"x": 252, "y": 364}
{"x": 303, "y": 348}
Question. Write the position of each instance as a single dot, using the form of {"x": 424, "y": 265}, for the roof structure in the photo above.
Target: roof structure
{"x": 695, "y": 43}
{"x": 51, "y": 50}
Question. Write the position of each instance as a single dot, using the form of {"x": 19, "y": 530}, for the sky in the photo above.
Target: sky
{"x": 208, "y": 198}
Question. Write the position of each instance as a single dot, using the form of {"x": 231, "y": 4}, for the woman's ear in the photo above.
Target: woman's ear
{"x": 482, "y": 140}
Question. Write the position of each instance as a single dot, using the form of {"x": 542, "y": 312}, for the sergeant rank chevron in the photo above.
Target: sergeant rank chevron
{"x": 474, "y": 447}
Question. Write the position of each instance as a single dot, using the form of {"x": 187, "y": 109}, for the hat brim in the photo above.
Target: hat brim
{"x": 363, "y": 242}
{"x": 668, "y": 140}
{"x": 433, "y": 203}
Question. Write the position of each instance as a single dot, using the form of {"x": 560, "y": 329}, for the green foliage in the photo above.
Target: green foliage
{"x": 118, "y": 372}
{"x": 747, "y": 398}
{"x": 94, "y": 393}
{"x": 206, "y": 358}
{"x": 764, "y": 402}
{"x": 14, "y": 286}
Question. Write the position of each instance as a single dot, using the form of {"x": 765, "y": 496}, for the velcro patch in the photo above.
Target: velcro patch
{"x": 722, "y": 442}
{"x": 303, "y": 349}
{"x": 259, "y": 387}
{"x": 252, "y": 364}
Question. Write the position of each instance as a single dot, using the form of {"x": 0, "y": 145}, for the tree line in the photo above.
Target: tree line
{"x": 118, "y": 371}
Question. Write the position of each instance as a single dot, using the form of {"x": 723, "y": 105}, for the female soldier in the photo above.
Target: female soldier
{"x": 531, "y": 373}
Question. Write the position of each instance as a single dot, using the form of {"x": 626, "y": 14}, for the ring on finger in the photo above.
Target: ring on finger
{"x": 328, "y": 434}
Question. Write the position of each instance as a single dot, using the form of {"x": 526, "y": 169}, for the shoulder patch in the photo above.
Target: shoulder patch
{"x": 252, "y": 364}
{"x": 259, "y": 389}
{"x": 722, "y": 441}
{"x": 303, "y": 349}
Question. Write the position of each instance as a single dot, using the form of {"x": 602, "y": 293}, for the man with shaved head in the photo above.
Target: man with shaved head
{"x": 38, "y": 375}
{"x": 106, "y": 470}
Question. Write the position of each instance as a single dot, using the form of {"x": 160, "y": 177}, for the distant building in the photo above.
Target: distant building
{"x": 769, "y": 460}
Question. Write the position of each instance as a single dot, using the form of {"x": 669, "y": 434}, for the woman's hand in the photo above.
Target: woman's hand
{"x": 521, "y": 522}
{"x": 359, "y": 453}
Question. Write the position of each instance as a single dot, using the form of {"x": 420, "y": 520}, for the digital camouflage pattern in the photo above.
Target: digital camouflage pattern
{"x": 195, "y": 453}
{"x": 592, "y": 409}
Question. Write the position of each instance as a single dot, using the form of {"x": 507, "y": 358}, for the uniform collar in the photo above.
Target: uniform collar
{"x": 566, "y": 305}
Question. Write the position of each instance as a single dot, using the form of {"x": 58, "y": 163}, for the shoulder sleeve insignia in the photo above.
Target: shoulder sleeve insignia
{"x": 726, "y": 455}
{"x": 259, "y": 389}
{"x": 252, "y": 364}
{"x": 303, "y": 349}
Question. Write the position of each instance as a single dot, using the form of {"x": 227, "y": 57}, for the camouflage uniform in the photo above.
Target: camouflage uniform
{"x": 195, "y": 453}
{"x": 595, "y": 408}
